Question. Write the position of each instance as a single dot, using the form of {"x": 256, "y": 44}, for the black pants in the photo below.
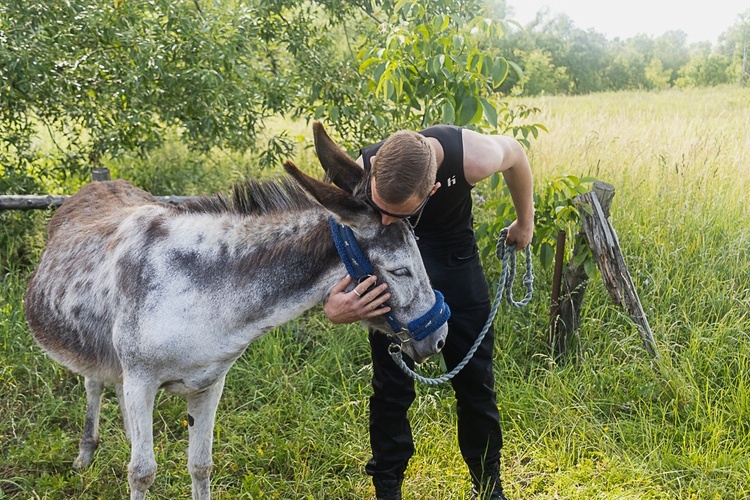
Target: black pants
{"x": 459, "y": 276}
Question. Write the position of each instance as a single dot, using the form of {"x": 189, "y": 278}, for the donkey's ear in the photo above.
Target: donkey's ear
{"x": 348, "y": 209}
{"x": 340, "y": 168}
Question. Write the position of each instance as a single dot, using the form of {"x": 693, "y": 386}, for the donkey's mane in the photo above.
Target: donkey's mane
{"x": 254, "y": 197}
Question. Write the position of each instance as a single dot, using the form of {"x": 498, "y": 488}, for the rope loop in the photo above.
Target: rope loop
{"x": 507, "y": 254}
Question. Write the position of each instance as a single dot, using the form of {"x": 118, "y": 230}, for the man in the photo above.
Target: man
{"x": 427, "y": 178}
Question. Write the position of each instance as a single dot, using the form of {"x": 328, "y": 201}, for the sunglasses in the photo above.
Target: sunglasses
{"x": 368, "y": 199}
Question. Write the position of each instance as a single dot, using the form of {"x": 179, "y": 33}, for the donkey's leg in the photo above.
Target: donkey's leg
{"x": 201, "y": 416}
{"x": 123, "y": 410}
{"x": 90, "y": 438}
{"x": 139, "y": 395}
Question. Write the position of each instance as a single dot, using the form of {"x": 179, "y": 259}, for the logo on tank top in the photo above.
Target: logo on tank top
{"x": 451, "y": 181}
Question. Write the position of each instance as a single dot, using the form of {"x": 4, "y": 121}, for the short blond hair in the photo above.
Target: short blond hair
{"x": 405, "y": 165}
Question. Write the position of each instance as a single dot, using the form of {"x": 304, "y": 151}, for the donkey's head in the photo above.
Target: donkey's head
{"x": 418, "y": 315}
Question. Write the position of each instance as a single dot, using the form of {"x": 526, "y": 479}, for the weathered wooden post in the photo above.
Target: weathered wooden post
{"x": 556, "y": 281}
{"x": 605, "y": 248}
{"x": 100, "y": 174}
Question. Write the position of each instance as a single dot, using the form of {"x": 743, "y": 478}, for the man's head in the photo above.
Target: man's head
{"x": 404, "y": 167}
{"x": 402, "y": 176}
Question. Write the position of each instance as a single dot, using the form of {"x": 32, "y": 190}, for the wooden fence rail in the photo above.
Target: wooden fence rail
{"x": 43, "y": 202}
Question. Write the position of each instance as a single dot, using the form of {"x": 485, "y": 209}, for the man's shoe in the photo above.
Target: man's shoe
{"x": 486, "y": 484}
{"x": 496, "y": 493}
{"x": 387, "y": 489}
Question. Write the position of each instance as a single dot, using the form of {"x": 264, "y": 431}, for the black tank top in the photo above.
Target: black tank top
{"x": 446, "y": 223}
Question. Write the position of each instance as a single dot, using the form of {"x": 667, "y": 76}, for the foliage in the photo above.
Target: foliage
{"x": 552, "y": 46}
{"x": 437, "y": 68}
{"x": 704, "y": 70}
{"x": 102, "y": 78}
{"x": 541, "y": 75}
{"x": 555, "y": 210}
{"x": 657, "y": 77}
{"x": 421, "y": 64}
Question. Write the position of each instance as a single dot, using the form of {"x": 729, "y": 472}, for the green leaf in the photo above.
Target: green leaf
{"x": 500, "y": 70}
{"x": 366, "y": 63}
{"x": 388, "y": 89}
{"x": 467, "y": 110}
{"x": 333, "y": 112}
{"x": 489, "y": 111}
{"x": 517, "y": 69}
{"x": 494, "y": 180}
{"x": 437, "y": 63}
{"x": 481, "y": 230}
{"x": 440, "y": 23}
{"x": 580, "y": 258}
{"x": 487, "y": 66}
{"x": 458, "y": 42}
{"x": 475, "y": 58}
{"x": 546, "y": 254}
{"x": 400, "y": 5}
{"x": 501, "y": 209}
{"x": 589, "y": 265}
{"x": 449, "y": 114}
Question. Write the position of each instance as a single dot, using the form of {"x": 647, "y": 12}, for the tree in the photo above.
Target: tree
{"x": 656, "y": 76}
{"x": 582, "y": 53}
{"x": 627, "y": 70}
{"x": 672, "y": 51}
{"x": 541, "y": 75}
{"x": 734, "y": 44}
{"x": 704, "y": 69}
{"x": 105, "y": 77}
{"x": 427, "y": 62}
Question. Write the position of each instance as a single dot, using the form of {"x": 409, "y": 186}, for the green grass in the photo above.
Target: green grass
{"x": 608, "y": 424}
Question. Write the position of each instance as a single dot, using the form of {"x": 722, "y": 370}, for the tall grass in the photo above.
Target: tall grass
{"x": 608, "y": 424}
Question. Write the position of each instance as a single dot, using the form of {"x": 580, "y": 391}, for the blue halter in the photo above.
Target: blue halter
{"x": 359, "y": 269}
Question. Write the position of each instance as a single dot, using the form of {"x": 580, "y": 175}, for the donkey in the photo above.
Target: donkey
{"x": 143, "y": 295}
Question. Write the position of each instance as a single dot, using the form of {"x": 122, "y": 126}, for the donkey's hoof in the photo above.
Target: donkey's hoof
{"x": 82, "y": 462}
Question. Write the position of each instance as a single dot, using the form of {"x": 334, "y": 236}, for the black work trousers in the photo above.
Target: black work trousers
{"x": 459, "y": 276}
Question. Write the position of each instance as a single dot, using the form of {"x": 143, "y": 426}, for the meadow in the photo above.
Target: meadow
{"x": 608, "y": 423}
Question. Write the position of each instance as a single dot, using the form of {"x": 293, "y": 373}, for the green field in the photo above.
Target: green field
{"x": 608, "y": 424}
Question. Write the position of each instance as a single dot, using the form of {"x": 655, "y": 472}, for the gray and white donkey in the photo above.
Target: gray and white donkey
{"x": 143, "y": 295}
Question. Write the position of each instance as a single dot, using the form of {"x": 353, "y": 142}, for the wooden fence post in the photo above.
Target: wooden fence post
{"x": 556, "y": 285}
{"x": 605, "y": 248}
{"x": 100, "y": 174}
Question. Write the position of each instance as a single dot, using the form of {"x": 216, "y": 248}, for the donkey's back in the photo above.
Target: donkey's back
{"x": 75, "y": 293}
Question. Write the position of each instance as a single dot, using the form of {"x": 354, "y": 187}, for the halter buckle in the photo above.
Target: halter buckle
{"x": 403, "y": 335}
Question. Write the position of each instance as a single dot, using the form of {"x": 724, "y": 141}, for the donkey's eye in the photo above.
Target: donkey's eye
{"x": 401, "y": 271}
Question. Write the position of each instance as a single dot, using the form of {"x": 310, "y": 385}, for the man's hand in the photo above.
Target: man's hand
{"x": 348, "y": 307}
{"x": 519, "y": 235}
